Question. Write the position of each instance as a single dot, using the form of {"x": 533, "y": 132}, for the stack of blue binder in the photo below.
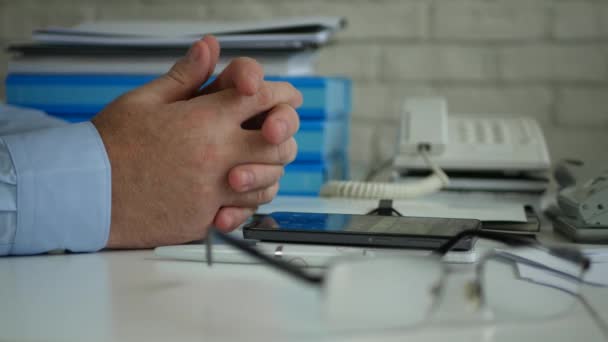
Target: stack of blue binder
{"x": 322, "y": 138}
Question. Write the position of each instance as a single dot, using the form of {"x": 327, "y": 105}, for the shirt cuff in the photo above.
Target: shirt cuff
{"x": 63, "y": 189}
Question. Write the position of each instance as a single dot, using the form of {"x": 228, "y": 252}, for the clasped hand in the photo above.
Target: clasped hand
{"x": 180, "y": 158}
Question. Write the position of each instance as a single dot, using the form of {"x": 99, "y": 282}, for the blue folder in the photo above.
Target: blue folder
{"x": 324, "y": 97}
{"x": 322, "y": 140}
{"x": 306, "y": 179}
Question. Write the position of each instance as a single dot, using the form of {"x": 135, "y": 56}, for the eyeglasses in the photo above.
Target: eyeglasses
{"x": 522, "y": 281}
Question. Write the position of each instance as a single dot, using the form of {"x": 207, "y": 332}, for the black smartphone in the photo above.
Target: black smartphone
{"x": 359, "y": 230}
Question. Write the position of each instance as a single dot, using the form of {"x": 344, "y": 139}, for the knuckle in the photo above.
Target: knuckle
{"x": 299, "y": 98}
{"x": 289, "y": 88}
{"x": 292, "y": 117}
{"x": 292, "y": 150}
{"x": 296, "y": 122}
{"x": 286, "y": 152}
{"x": 280, "y": 153}
{"x": 292, "y": 94}
{"x": 177, "y": 75}
{"x": 285, "y": 108}
{"x": 295, "y": 91}
{"x": 277, "y": 174}
{"x": 271, "y": 176}
{"x": 265, "y": 96}
{"x": 244, "y": 62}
{"x": 253, "y": 66}
{"x": 261, "y": 196}
{"x": 266, "y": 195}
{"x": 273, "y": 190}
{"x": 257, "y": 69}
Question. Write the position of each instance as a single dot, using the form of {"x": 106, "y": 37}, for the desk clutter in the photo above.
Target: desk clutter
{"x": 73, "y": 73}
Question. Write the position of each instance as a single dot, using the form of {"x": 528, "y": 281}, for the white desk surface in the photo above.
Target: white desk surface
{"x": 134, "y": 296}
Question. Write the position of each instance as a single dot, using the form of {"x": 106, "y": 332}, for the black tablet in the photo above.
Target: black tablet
{"x": 359, "y": 230}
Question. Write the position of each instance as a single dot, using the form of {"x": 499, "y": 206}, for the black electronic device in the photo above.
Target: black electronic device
{"x": 359, "y": 230}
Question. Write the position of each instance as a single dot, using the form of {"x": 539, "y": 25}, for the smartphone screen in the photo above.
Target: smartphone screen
{"x": 356, "y": 229}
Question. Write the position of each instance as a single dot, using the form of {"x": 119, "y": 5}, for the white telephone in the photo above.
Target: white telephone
{"x": 469, "y": 143}
{"x": 478, "y": 153}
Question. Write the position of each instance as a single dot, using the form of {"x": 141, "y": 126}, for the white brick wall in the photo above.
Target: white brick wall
{"x": 490, "y": 20}
{"x": 382, "y": 101}
{"x": 143, "y": 11}
{"x": 438, "y": 63}
{"x": 542, "y": 58}
{"x": 370, "y": 19}
{"x": 576, "y": 20}
{"x": 19, "y": 18}
{"x": 358, "y": 61}
{"x": 501, "y": 100}
{"x": 588, "y": 144}
{"x": 544, "y": 62}
{"x": 604, "y": 20}
{"x": 583, "y": 107}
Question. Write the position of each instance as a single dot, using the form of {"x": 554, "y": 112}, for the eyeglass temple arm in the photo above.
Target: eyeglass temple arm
{"x": 508, "y": 239}
{"x": 278, "y": 264}
{"x": 569, "y": 254}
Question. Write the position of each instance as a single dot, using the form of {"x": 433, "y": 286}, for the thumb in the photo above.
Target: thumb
{"x": 184, "y": 79}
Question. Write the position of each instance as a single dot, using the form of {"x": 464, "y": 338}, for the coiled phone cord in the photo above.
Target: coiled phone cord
{"x": 379, "y": 190}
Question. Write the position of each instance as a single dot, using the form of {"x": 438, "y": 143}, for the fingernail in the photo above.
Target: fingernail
{"x": 247, "y": 179}
{"x": 193, "y": 53}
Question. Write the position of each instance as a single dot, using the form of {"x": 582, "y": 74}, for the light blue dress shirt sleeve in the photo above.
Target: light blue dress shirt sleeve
{"x": 55, "y": 185}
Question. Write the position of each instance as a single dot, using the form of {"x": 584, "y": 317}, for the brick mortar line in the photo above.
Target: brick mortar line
{"x": 485, "y": 83}
{"x": 388, "y": 41}
{"x": 359, "y": 120}
{"x": 384, "y": 121}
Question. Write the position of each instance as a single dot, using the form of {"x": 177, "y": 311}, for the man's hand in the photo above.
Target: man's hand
{"x": 246, "y": 75}
{"x": 181, "y": 160}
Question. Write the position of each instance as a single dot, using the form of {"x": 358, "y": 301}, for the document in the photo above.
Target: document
{"x": 554, "y": 271}
{"x": 295, "y": 33}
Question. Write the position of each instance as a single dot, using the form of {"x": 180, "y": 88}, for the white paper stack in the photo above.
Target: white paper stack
{"x": 283, "y": 33}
